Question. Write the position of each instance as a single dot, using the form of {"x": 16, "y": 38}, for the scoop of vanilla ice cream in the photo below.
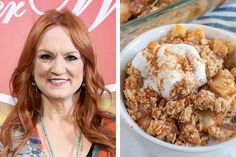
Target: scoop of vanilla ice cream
{"x": 198, "y": 64}
{"x": 142, "y": 63}
{"x": 161, "y": 71}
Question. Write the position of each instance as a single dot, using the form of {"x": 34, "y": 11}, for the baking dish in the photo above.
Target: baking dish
{"x": 182, "y": 11}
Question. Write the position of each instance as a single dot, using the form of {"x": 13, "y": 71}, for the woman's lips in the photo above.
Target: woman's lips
{"x": 57, "y": 82}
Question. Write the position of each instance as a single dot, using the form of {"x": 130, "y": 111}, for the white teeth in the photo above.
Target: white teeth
{"x": 58, "y": 81}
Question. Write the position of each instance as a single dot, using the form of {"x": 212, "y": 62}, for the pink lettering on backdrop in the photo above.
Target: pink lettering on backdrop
{"x": 103, "y": 13}
{"x": 12, "y": 8}
{"x": 40, "y": 12}
{"x": 80, "y": 6}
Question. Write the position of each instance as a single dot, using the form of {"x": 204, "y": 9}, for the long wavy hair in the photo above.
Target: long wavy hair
{"x": 86, "y": 113}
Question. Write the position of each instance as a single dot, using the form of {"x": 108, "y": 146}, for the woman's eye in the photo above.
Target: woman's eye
{"x": 71, "y": 58}
{"x": 46, "y": 57}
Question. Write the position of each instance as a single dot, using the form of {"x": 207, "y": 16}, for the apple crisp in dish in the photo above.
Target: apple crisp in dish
{"x": 182, "y": 90}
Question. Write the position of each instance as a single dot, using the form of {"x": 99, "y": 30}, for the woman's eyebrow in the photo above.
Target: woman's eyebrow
{"x": 70, "y": 52}
{"x": 47, "y": 51}
{"x": 64, "y": 53}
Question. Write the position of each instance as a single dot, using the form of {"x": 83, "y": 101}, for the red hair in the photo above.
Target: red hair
{"x": 26, "y": 111}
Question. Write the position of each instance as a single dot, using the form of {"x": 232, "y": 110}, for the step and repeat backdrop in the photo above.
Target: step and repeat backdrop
{"x": 18, "y": 16}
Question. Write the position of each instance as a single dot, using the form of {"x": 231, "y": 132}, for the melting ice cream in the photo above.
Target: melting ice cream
{"x": 169, "y": 65}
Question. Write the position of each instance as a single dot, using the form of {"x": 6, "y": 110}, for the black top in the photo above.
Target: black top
{"x": 90, "y": 151}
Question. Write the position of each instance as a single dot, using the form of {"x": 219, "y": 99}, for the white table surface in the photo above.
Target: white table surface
{"x": 130, "y": 147}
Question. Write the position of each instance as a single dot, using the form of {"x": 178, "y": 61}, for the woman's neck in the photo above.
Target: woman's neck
{"x": 58, "y": 111}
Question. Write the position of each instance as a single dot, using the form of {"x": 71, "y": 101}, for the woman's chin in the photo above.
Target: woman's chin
{"x": 57, "y": 96}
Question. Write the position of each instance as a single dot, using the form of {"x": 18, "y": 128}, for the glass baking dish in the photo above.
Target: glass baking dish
{"x": 182, "y": 11}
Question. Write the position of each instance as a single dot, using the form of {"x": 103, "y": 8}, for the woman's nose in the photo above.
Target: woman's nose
{"x": 58, "y": 66}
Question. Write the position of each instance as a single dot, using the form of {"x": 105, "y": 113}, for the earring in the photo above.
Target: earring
{"x": 34, "y": 84}
{"x": 83, "y": 84}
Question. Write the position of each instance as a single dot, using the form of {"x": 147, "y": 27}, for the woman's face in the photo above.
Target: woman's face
{"x": 58, "y": 68}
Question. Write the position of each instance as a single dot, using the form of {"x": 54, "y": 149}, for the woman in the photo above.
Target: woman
{"x": 58, "y": 88}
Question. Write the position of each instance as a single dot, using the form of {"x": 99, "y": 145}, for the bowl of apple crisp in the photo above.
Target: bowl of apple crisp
{"x": 178, "y": 91}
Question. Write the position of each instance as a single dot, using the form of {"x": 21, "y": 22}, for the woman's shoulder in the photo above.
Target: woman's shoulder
{"x": 16, "y": 135}
{"x": 32, "y": 146}
{"x": 99, "y": 151}
{"x": 109, "y": 121}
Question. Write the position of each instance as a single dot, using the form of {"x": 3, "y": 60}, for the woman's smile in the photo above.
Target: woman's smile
{"x": 58, "y": 82}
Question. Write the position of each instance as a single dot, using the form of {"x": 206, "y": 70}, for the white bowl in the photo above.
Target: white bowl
{"x": 151, "y": 145}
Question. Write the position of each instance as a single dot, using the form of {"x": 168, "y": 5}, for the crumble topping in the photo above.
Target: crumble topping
{"x": 194, "y": 115}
